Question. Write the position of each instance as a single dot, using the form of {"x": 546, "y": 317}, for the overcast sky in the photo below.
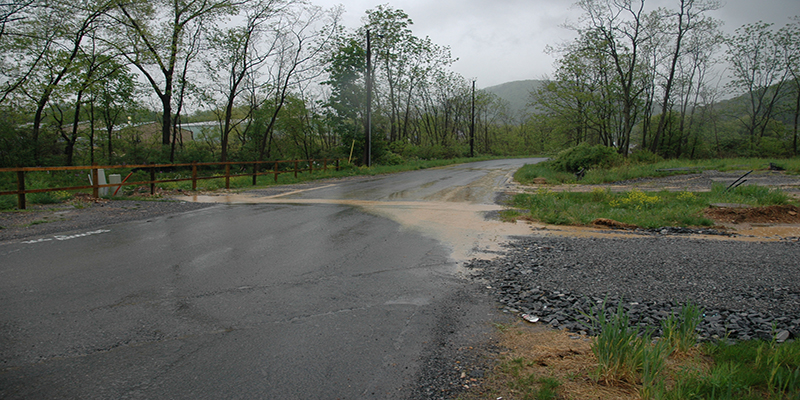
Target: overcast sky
{"x": 498, "y": 41}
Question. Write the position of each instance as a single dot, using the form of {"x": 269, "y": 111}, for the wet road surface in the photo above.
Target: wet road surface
{"x": 334, "y": 291}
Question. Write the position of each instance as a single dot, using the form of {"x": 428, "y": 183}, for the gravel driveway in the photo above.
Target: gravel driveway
{"x": 748, "y": 289}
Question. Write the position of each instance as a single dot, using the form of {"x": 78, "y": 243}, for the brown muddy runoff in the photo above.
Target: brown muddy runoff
{"x": 454, "y": 217}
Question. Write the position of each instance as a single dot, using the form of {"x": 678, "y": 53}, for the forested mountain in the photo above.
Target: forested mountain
{"x": 516, "y": 93}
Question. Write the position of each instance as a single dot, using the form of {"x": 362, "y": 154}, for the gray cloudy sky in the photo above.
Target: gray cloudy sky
{"x": 497, "y": 41}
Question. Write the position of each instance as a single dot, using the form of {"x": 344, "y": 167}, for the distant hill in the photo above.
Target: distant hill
{"x": 516, "y": 93}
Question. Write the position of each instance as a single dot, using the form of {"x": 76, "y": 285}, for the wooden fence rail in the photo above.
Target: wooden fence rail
{"x": 294, "y": 167}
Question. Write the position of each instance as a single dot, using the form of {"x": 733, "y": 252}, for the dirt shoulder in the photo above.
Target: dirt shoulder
{"x": 84, "y": 213}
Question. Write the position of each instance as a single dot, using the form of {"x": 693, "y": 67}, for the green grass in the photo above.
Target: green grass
{"x": 679, "y": 330}
{"x": 619, "y": 347}
{"x": 529, "y": 386}
{"x": 643, "y": 209}
{"x": 528, "y": 173}
{"x": 750, "y": 369}
{"x": 670, "y": 367}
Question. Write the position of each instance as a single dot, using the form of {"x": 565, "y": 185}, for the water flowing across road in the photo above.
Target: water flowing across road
{"x": 332, "y": 290}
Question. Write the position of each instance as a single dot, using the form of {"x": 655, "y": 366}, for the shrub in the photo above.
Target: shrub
{"x": 389, "y": 158}
{"x": 644, "y": 156}
{"x": 586, "y": 156}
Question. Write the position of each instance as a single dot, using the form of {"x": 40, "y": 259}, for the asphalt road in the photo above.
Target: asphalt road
{"x": 343, "y": 290}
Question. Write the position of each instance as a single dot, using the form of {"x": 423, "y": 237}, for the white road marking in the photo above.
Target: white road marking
{"x": 66, "y": 237}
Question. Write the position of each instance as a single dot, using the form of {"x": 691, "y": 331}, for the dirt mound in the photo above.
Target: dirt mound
{"x": 610, "y": 223}
{"x": 786, "y": 214}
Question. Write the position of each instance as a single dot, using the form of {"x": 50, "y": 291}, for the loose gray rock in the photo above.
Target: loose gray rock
{"x": 746, "y": 289}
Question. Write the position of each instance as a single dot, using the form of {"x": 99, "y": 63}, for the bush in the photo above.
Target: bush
{"x": 389, "y": 158}
{"x": 586, "y": 157}
{"x": 644, "y": 156}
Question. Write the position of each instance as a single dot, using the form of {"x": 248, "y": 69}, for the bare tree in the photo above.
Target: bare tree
{"x": 153, "y": 39}
{"x": 300, "y": 41}
{"x": 621, "y": 25}
{"x": 688, "y": 17}
{"x": 236, "y": 54}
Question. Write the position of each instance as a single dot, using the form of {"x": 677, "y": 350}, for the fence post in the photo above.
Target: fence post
{"x": 276, "y": 172}
{"x": 311, "y": 167}
{"x": 21, "y": 189}
{"x": 337, "y": 164}
{"x": 194, "y": 176}
{"x": 325, "y": 164}
{"x": 255, "y": 172}
{"x": 95, "y": 176}
{"x": 295, "y": 168}
{"x": 227, "y": 176}
{"x": 152, "y": 179}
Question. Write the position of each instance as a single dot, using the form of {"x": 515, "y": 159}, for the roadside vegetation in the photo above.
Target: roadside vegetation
{"x": 604, "y": 166}
{"x": 628, "y": 362}
{"x": 42, "y": 180}
{"x": 634, "y": 207}
{"x": 641, "y": 209}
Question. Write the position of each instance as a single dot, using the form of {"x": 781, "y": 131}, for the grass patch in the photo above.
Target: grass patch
{"x": 643, "y": 209}
{"x": 623, "y": 362}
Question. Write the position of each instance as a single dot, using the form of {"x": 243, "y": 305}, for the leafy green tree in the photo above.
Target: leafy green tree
{"x": 48, "y": 44}
{"x": 583, "y": 96}
{"x": 404, "y": 64}
{"x": 621, "y": 25}
{"x": 112, "y": 100}
{"x": 346, "y": 65}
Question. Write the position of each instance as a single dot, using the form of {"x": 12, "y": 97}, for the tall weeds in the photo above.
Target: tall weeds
{"x": 679, "y": 330}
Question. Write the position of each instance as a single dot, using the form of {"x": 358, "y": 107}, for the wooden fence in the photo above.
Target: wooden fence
{"x": 276, "y": 168}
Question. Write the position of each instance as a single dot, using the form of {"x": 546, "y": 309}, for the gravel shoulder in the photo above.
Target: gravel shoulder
{"x": 747, "y": 289}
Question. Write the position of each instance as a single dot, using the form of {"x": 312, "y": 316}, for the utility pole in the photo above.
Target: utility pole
{"x": 472, "y": 126}
{"x": 368, "y": 78}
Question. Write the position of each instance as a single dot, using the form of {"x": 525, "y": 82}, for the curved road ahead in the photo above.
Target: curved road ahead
{"x": 340, "y": 290}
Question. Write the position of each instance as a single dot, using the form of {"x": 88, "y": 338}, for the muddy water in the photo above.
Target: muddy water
{"x": 458, "y": 216}
{"x": 461, "y": 226}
